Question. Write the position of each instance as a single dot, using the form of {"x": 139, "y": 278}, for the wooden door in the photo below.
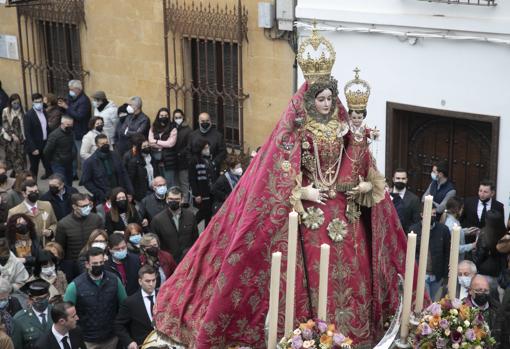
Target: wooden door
{"x": 416, "y": 140}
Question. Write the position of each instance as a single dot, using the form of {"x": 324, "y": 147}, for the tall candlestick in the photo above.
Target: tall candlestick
{"x": 424, "y": 252}
{"x": 454, "y": 262}
{"x": 323, "y": 283}
{"x": 291, "y": 273}
{"x": 408, "y": 286}
{"x": 45, "y": 217}
{"x": 274, "y": 292}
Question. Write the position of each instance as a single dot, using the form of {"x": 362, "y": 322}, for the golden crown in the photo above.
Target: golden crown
{"x": 316, "y": 57}
{"x": 357, "y": 92}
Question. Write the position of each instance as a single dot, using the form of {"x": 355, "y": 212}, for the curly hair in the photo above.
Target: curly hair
{"x": 11, "y": 227}
{"x": 317, "y": 87}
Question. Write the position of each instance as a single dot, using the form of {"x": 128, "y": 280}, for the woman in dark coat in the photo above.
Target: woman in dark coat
{"x": 139, "y": 166}
{"x": 121, "y": 213}
{"x": 489, "y": 261}
{"x": 162, "y": 139}
{"x": 201, "y": 178}
{"x": 23, "y": 241}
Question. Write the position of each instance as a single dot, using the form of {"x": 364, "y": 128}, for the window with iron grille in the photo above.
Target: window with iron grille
{"x": 466, "y": 2}
{"x": 215, "y": 82}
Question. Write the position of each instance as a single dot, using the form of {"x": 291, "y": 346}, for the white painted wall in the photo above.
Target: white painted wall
{"x": 470, "y": 77}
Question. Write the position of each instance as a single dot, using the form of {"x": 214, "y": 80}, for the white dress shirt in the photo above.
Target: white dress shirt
{"x": 400, "y": 193}
{"x": 147, "y": 302}
{"x": 38, "y": 314}
{"x": 59, "y": 337}
{"x": 44, "y": 123}
{"x": 480, "y": 207}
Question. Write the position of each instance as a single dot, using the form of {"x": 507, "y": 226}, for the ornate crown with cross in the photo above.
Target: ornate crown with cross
{"x": 316, "y": 57}
{"x": 357, "y": 92}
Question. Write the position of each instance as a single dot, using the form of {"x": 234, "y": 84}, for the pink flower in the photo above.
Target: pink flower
{"x": 435, "y": 309}
{"x": 425, "y": 330}
{"x": 338, "y": 339}
{"x": 322, "y": 326}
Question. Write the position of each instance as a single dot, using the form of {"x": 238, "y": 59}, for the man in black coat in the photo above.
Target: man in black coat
{"x": 60, "y": 151}
{"x": 475, "y": 208}
{"x": 134, "y": 319}
{"x": 406, "y": 203}
{"x": 36, "y": 134}
{"x": 155, "y": 202}
{"x": 103, "y": 171}
{"x": 122, "y": 263}
{"x": 59, "y": 196}
{"x": 176, "y": 226}
{"x": 213, "y": 137}
{"x": 64, "y": 333}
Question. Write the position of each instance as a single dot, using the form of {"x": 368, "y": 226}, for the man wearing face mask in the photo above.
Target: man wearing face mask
{"x": 480, "y": 297}
{"x": 74, "y": 230}
{"x": 136, "y": 122}
{"x": 218, "y": 150}
{"x": 59, "y": 196}
{"x": 60, "y": 150}
{"x": 97, "y": 294}
{"x": 224, "y": 185}
{"x": 36, "y": 134}
{"x": 107, "y": 110}
{"x": 406, "y": 203}
{"x": 465, "y": 273}
{"x": 154, "y": 202}
{"x": 176, "y": 227}
{"x": 438, "y": 255}
{"x": 40, "y": 212}
{"x": 441, "y": 188}
{"x": 32, "y": 323}
{"x": 122, "y": 263}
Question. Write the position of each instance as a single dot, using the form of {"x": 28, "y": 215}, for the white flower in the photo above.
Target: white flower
{"x": 459, "y": 329}
{"x": 467, "y": 323}
{"x": 478, "y": 347}
{"x": 447, "y": 332}
{"x": 307, "y": 344}
{"x": 454, "y": 312}
{"x": 455, "y": 346}
{"x": 297, "y": 331}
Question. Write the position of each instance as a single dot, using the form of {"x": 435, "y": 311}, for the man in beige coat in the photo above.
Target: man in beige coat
{"x": 40, "y": 212}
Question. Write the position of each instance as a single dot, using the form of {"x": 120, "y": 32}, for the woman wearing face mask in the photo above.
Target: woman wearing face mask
{"x": 11, "y": 269}
{"x": 133, "y": 235}
{"x": 162, "y": 139}
{"x": 121, "y": 213}
{"x": 201, "y": 176}
{"x": 139, "y": 165}
{"x": 53, "y": 111}
{"x": 23, "y": 241}
{"x": 450, "y": 218}
{"x": 88, "y": 143}
{"x": 46, "y": 269}
{"x": 160, "y": 260}
{"x": 181, "y": 147}
{"x": 489, "y": 261}
{"x": 98, "y": 238}
{"x": 226, "y": 182}
{"x": 12, "y": 134}
{"x": 8, "y": 303}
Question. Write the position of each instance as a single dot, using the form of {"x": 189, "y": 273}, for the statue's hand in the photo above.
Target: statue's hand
{"x": 362, "y": 188}
{"x": 313, "y": 194}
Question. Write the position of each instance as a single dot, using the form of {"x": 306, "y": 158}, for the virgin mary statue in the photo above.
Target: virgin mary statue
{"x": 219, "y": 295}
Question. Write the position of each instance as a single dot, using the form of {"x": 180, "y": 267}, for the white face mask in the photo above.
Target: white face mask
{"x": 179, "y": 121}
{"x": 238, "y": 171}
{"x": 48, "y": 271}
{"x": 130, "y": 109}
{"x": 95, "y": 104}
{"x": 101, "y": 245}
{"x": 433, "y": 176}
{"x": 465, "y": 281}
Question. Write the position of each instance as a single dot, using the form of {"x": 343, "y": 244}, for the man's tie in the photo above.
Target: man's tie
{"x": 65, "y": 342}
{"x": 34, "y": 210}
{"x": 43, "y": 319}
{"x": 151, "y": 299}
{"x": 484, "y": 213}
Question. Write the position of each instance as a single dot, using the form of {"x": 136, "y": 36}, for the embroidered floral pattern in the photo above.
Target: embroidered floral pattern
{"x": 337, "y": 229}
{"x": 313, "y": 217}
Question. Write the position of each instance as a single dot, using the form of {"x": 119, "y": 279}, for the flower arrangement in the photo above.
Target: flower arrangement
{"x": 315, "y": 335}
{"x": 451, "y": 324}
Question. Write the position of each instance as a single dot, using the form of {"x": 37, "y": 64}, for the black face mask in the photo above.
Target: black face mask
{"x": 3, "y": 178}
{"x": 481, "y": 298}
{"x": 399, "y": 185}
{"x": 96, "y": 270}
{"x": 33, "y": 197}
{"x": 205, "y": 126}
{"x": 122, "y": 205}
{"x": 41, "y": 305}
{"x": 3, "y": 260}
{"x": 105, "y": 148}
{"x": 22, "y": 228}
{"x": 67, "y": 129}
{"x": 152, "y": 251}
{"x": 54, "y": 190}
{"x": 173, "y": 205}
{"x": 146, "y": 150}
{"x": 99, "y": 128}
{"x": 163, "y": 121}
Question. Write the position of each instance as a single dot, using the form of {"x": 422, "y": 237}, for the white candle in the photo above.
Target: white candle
{"x": 408, "y": 285}
{"x": 45, "y": 217}
{"x": 291, "y": 273}
{"x": 323, "y": 283}
{"x": 454, "y": 262}
{"x": 274, "y": 292}
{"x": 424, "y": 252}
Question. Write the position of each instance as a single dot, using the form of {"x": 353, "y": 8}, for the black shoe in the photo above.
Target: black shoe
{"x": 45, "y": 176}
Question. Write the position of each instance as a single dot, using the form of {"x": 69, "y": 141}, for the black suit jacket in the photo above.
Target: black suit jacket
{"x": 469, "y": 216}
{"x": 48, "y": 340}
{"x": 132, "y": 265}
{"x": 408, "y": 210}
{"x": 33, "y": 132}
{"x": 132, "y": 322}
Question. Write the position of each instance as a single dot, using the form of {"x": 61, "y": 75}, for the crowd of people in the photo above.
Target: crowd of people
{"x": 484, "y": 250}
{"x": 94, "y": 255}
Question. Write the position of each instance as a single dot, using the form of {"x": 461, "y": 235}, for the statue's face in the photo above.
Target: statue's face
{"x": 323, "y": 102}
{"x": 356, "y": 118}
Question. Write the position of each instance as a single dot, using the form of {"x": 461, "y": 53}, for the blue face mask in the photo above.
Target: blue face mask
{"x": 72, "y": 94}
{"x": 85, "y": 211}
{"x": 4, "y": 303}
{"x": 119, "y": 255}
{"x": 38, "y": 106}
{"x": 161, "y": 191}
{"x": 135, "y": 239}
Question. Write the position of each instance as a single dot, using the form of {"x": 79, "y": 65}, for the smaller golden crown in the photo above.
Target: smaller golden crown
{"x": 316, "y": 57}
{"x": 357, "y": 92}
